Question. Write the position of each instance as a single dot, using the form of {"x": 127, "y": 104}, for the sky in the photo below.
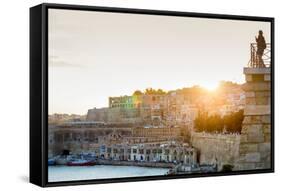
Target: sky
{"x": 95, "y": 55}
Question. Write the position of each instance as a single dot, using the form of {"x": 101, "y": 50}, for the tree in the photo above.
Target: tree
{"x": 151, "y": 91}
{"x": 160, "y": 92}
{"x": 137, "y": 93}
{"x": 232, "y": 123}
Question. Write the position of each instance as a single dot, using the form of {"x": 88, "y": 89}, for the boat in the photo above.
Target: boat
{"x": 81, "y": 162}
{"x": 51, "y": 162}
{"x": 61, "y": 161}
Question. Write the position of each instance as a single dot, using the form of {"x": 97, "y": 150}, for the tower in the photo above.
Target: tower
{"x": 255, "y": 141}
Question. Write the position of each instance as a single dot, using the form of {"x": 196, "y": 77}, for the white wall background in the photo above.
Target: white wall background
{"x": 14, "y": 94}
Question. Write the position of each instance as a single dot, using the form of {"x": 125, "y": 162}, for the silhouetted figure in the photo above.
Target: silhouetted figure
{"x": 261, "y": 45}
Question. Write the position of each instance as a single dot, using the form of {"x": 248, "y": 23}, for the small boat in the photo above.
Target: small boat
{"x": 171, "y": 172}
{"x": 61, "y": 161}
{"x": 51, "y": 162}
{"x": 81, "y": 162}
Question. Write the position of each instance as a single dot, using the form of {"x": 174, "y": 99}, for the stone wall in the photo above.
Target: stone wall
{"x": 114, "y": 115}
{"x": 78, "y": 140}
{"x": 136, "y": 163}
{"x": 217, "y": 149}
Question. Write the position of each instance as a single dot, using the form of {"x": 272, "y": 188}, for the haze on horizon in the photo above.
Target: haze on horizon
{"x": 95, "y": 55}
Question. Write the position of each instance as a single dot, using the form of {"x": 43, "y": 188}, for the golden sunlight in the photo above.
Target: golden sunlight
{"x": 210, "y": 86}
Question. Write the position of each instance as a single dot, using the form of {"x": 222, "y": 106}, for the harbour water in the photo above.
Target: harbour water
{"x": 70, "y": 173}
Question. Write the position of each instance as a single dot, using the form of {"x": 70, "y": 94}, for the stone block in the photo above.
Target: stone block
{"x": 267, "y": 164}
{"x": 257, "y": 110}
{"x": 267, "y": 77}
{"x": 250, "y": 94}
{"x": 253, "y": 157}
{"x": 250, "y": 101}
{"x": 265, "y": 157}
{"x": 248, "y": 148}
{"x": 267, "y": 137}
{"x": 249, "y": 166}
{"x": 266, "y": 119}
{"x": 252, "y": 129}
{"x": 249, "y": 70}
{"x": 249, "y": 78}
{"x": 264, "y": 147}
{"x": 266, "y": 128}
{"x": 257, "y": 86}
{"x": 262, "y": 100}
{"x": 256, "y": 119}
{"x": 266, "y": 86}
{"x": 255, "y": 138}
{"x": 262, "y": 94}
{"x": 243, "y": 138}
{"x": 260, "y": 165}
{"x": 244, "y": 166}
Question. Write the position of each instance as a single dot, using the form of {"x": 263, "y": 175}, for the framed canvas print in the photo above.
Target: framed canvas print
{"x": 131, "y": 95}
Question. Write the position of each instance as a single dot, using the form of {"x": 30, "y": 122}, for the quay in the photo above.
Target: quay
{"x": 136, "y": 163}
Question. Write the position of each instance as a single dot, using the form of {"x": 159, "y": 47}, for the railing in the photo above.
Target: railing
{"x": 264, "y": 61}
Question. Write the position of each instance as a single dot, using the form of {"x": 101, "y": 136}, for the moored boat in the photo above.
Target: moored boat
{"x": 51, "y": 162}
{"x": 61, "y": 161}
{"x": 81, "y": 162}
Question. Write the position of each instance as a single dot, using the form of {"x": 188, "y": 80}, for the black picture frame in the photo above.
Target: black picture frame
{"x": 39, "y": 91}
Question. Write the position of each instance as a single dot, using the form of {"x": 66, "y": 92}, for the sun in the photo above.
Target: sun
{"x": 210, "y": 86}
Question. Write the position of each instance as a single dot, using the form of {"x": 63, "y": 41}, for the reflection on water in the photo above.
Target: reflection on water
{"x": 68, "y": 173}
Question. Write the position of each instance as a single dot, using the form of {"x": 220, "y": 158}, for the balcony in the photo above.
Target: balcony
{"x": 255, "y": 62}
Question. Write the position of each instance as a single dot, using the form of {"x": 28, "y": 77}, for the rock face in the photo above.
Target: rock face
{"x": 255, "y": 140}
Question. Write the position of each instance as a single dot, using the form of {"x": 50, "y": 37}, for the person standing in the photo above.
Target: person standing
{"x": 261, "y": 45}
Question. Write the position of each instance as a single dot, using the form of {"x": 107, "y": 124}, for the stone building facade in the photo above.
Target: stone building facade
{"x": 176, "y": 153}
{"x": 86, "y": 137}
{"x": 80, "y": 138}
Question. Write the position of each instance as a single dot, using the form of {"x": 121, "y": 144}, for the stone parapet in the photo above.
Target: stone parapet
{"x": 250, "y": 70}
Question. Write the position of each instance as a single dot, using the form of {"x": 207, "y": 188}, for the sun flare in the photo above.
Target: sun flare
{"x": 211, "y": 86}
